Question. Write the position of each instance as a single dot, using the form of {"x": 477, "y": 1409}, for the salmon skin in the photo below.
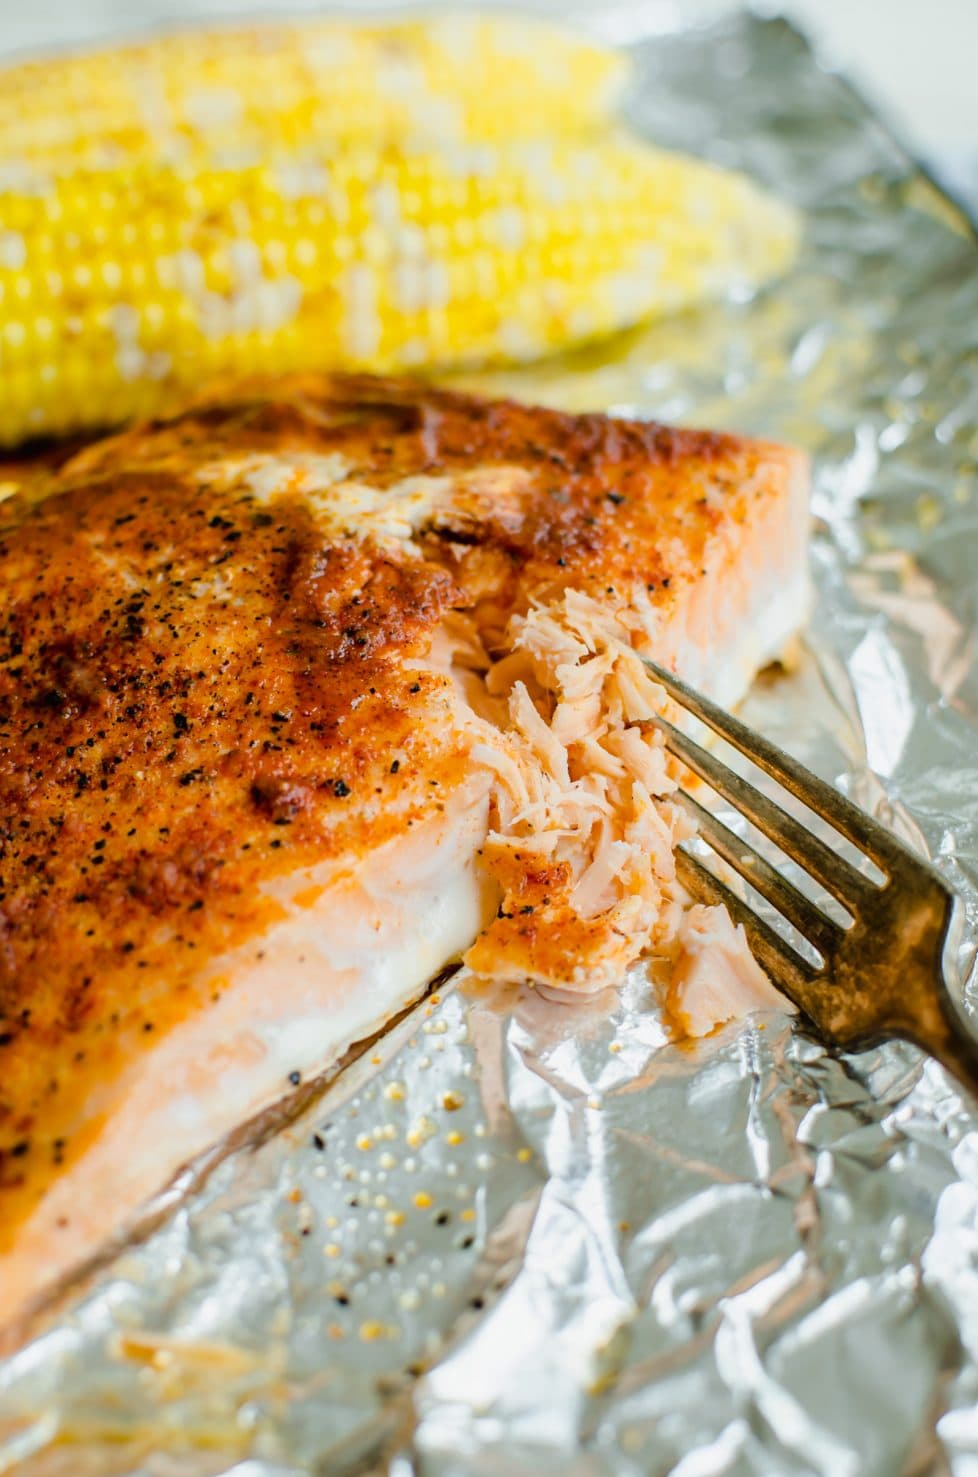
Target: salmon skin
{"x": 306, "y": 690}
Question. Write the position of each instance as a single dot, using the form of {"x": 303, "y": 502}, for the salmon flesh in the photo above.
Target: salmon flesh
{"x": 309, "y": 689}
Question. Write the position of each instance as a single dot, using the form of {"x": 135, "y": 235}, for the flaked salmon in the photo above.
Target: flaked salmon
{"x": 308, "y": 690}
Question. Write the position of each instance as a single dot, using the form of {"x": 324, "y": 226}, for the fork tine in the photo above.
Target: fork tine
{"x": 878, "y": 844}
{"x": 835, "y": 874}
{"x": 792, "y": 904}
{"x": 789, "y": 971}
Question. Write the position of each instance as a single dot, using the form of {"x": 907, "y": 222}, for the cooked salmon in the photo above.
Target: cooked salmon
{"x": 308, "y": 690}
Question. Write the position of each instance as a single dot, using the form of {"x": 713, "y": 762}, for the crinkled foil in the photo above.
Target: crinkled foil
{"x": 526, "y": 1238}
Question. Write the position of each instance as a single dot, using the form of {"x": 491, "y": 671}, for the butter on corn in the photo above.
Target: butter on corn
{"x": 144, "y": 249}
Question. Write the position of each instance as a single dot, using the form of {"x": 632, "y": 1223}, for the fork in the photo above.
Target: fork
{"x": 882, "y": 975}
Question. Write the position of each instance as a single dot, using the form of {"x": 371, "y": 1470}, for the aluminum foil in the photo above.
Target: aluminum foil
{"x": 519, "y": 1237}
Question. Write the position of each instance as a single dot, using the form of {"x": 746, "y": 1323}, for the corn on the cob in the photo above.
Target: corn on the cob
{"x": 177, "y": 98}
{"x": 118, "y": 291}
{"x": 334, "y": 216}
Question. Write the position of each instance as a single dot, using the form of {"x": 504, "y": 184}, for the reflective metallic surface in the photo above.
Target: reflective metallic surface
{"x": 519, "y": 1237}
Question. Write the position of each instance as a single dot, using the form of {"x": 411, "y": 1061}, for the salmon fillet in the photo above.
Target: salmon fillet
{"x": 308, "y": 690}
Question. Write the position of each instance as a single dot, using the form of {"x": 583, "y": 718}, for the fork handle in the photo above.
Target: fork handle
{"x": 945, "y": 1035}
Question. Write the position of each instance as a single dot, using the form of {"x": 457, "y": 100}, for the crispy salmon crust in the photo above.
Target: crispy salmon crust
{"x": 213, "y": 676}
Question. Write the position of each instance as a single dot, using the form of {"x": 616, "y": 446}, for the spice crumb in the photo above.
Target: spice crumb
{"x": 371, "y": 1331}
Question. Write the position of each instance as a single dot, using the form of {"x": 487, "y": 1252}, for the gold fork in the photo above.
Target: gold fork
{"x": 879, "y": 977}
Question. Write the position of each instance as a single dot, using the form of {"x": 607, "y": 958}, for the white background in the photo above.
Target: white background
{"x": 917, "y": 59}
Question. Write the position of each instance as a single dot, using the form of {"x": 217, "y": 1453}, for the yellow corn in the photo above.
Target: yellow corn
{"x": 177, "y": 97}
{"x": 126, "y": 281}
